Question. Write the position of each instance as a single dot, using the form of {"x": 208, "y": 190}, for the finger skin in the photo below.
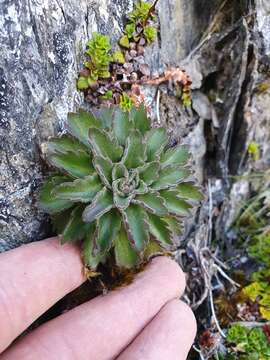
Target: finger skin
{"x": 103, "y": 327}
{"x": 169, "y": 335}
{"x": 33, "y": 278}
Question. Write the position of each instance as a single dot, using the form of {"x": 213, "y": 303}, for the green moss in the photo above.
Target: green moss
{"x": 248, "y": 343}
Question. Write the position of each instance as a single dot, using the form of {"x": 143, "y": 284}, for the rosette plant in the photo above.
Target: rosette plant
{"x": 119, "y": 188}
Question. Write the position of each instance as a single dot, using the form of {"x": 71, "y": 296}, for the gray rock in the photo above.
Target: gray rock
{"x": 42, "y": 46}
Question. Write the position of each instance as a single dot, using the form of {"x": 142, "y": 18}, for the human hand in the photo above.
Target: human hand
{"x": 142, "y": 321}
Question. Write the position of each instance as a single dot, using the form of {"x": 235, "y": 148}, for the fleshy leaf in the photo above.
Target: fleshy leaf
{"x": 119, "y": 171}
{"x": 105, "y": 115}
{"x": 125, "y": 255}
{"x": 121, "y": 125}
{"x": 120, "y": 201}
{"x": 80, "y": 123}
{"x": 174, "y": 204}
{"x": 90, "y": 259}
{"x": 108, "y": 229}
{"x": 75, "y": 229}
{"x": 152, "y": 202}
{"x": 102, "y": 203}
{"x": 141, "y": 189}
{"x": 77, "y": 165}
{"x": 175, "y": 156}
{"x": 135, "y": 221}
{"x": 49, "y": 202}
{"x": 61, "y": 219}
{"x": 81, "y": 190}
{"x": 174, "y": 225}
{"x": 170, "y": 176}
{"x": 160, "y": 230}
{"x": 103, "y": 145}
{"x": 149, "y": 173}
{"x": 156, "y": 141}
{"x": 104, "y": 169}
{"x": 65, "y": 144}
{"x": 189, "y": 191}
{"x": 153, "y": 248}
{"x": 134, "y": 155}
{"x": 140, "y": 119}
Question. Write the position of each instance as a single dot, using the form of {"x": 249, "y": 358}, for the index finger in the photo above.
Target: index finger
{"x": 33, "y": 278}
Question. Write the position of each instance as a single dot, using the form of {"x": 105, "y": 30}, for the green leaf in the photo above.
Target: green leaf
{"x": 120, "y": 201}
{"x": 118, "y": 57}
{"x": 141, "y": 189}
{"x": 135, "y": 221}
{"x": 108, "y": 229}
{"x": 160, "y": 230}
{"x": 157, "y": 139}
{"x": 150, "y": 34}
{"x": 153, "y": 248}
{"x": 170, "y": 176}
{"x": 152, "y": 202}
{"x": 130, "y": 29}
{"x": 124, "y": 41}
{"x": 82, "y": 83}
{"x": 105, "y": 115}
{"x": 119, "y": 171}
{"x": 65, "y": 144}
{"x": 189, "y": 191}
{"x": 174, "y": 204}
{"x": 104, "y": 169}
{"x": 102, "y": 203}
{"x": 121, "y": 125}
{"x": 103, "y": 145}
{"x": 134, "y": 155}
{"x": 90, "y": 259}
{"x": 76, "y": 228}
{"x": 140, "y": 119}
{"x": 173, "y": 224}
{"x": 48, "y": 201}
{"x": 81, "y": 190}
{"x": 149, "y": 172}
{"x": 60, "y": 220}
{"x": 77, "y": 165}
{"x": 80, "y": 123}
{"x": 175, "y": 156}
{"x": 125, "y": 255}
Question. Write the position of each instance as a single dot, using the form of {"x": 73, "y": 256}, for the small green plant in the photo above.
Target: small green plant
{"x": 139, "y": 25}
{"x": 249, "y": 344}
{"x": 150, "y": 34}
{"x": 98, "y": 50}
{"x": 118, "y": 70}
{"x": 118, "y": 57}
{"x": 254, "y": 151}
{"x": 259, "y": 291}
{"x": 140, "y": 14}
{"x": 253, "y": 224}
{"x": 118, "y": 187}
{"x": 126, "y": 103}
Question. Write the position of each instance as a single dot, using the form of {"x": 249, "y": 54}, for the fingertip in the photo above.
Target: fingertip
{"x": 184, "y": 315}
{"x": 171, "y": 272}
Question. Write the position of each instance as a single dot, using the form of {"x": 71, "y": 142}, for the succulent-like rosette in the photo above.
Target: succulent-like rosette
{"x": 119, "y": 188}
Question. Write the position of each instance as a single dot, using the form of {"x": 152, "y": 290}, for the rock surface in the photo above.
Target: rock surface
{"x": 42, "y": 45}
